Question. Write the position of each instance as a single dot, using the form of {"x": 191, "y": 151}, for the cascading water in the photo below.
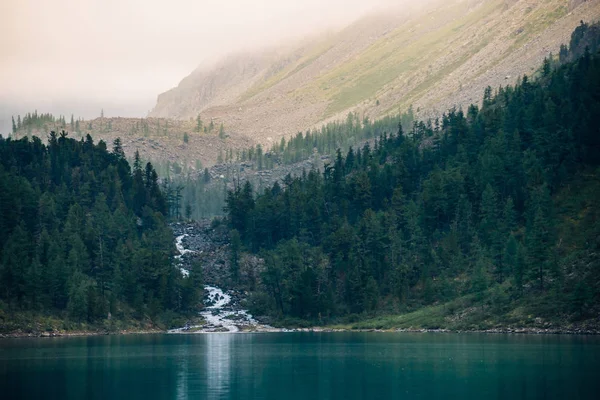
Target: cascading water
{"x": 182, "y": 251}
{"x": 220, "y": 314}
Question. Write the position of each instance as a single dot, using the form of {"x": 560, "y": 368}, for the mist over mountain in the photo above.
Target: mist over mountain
{"x": 432, "y": 57}
{"x": 86, "y": 110}
{"x": 79, "y": 57}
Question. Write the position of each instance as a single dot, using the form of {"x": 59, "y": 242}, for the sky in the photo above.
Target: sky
{"x": 81, "y": 56}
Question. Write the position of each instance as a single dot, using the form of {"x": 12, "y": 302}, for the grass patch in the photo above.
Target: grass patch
{"x": 432, "y": 317}
{"x": 390, "y": 58}
{"x": 367, "y": 86}
{"x": 538, "y": 21}
{"x": 288, "y": 71}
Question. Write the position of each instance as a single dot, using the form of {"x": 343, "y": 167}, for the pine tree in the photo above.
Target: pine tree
{"x": 259, "y": 157}
{"x": 188, "y": 211}
{"x": 15, "y": 262}
{"x": 234, "y": 262}
{"x": 198, "y": 124}
{"x": 538, "y": 245}
{"x": 510, "y": 262}
{"x": 118, "y": 149}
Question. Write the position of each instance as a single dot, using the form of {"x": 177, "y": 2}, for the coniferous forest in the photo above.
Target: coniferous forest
{"x": 489, "y": 210}
{"x": 493, "y": 210}
{"x": 84, "y": 237}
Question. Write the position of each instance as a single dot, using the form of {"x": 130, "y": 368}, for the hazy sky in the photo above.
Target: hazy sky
{"x": 79, "y": 56}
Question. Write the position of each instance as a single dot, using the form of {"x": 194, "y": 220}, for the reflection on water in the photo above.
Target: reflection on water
{"x": 204, "y": 361}
{"x": 182, "y": 375}
{"x": 301, "y": 366}
{"x": 218, "y": 358}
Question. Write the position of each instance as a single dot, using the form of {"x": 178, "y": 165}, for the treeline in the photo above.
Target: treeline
{"x": 326, "y": 140}
{"x": 462, "y": 206}
{"x": 33, "y": 122}
{"x": 335, "y": 135}
{"x": 193, "y": 198}
{"x": 200, "y": 196}
{"x": 191, "y": 192}
{"x": 83, "y": 235}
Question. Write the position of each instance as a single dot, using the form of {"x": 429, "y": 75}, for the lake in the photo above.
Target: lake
{"x": 302, "y": 366}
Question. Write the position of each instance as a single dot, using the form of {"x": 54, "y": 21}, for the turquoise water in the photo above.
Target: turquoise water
{"x": 302, "y": 366}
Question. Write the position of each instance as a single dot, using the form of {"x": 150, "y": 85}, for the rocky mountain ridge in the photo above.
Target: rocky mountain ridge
{"x": 434, "y": 57}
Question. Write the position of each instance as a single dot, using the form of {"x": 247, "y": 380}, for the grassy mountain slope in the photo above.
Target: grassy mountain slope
{"x": 432, "y": 56}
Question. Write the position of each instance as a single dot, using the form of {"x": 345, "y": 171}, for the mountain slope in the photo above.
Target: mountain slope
{"x": 496, "y": 217}
{"x": 432, "y": 56}
{"x": 162, "y": 141}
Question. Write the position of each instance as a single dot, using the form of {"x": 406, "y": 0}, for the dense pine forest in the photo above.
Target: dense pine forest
{"x": 84, "y": 237}
{"x": 493, "y": 210}
{"x": 489, "y": 215}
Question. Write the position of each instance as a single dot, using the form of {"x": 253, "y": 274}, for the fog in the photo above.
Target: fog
{"x": 70, "y": 56}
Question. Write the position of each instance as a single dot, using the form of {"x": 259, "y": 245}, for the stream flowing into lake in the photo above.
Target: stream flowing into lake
{"x": 220, "y": 314}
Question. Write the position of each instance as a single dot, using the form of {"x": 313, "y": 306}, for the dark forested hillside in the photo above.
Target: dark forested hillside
{"x": 495, "y": 206}
{"x": 82, "y": 235}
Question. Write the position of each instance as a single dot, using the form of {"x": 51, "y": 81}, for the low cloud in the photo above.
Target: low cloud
{"x": 64, "y": 53}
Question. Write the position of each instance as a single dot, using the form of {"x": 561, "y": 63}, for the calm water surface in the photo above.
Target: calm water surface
{"x": 302, "y": 366}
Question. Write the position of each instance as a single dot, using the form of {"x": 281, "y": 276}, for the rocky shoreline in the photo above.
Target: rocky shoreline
{"x": 518, "y": 331}
{"x": 502, "y": 331}
{"x": 57, "y": 334}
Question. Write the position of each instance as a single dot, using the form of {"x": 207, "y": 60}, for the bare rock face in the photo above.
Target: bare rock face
{"x": 212, "y": 86}
{"x": 434, "y": 55}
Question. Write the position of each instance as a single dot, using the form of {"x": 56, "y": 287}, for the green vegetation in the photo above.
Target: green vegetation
{"x": 84, "y": 238}
{"x": 537, "y": 22}
{"x": 416, "y": 56}
{"x": 198, "y": 123}
{"x": 287, "y": 71}
{"x": 481, "y": 219}
{"x": 33, "y": 122}
{"x": 332, "y": 136}
{"x": 400, "y": 53}
{"x": 196, "y": 195}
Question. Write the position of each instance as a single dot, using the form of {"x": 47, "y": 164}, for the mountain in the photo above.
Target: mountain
{"x": 487, "y": 220}
{"x": 432, "y": 56}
